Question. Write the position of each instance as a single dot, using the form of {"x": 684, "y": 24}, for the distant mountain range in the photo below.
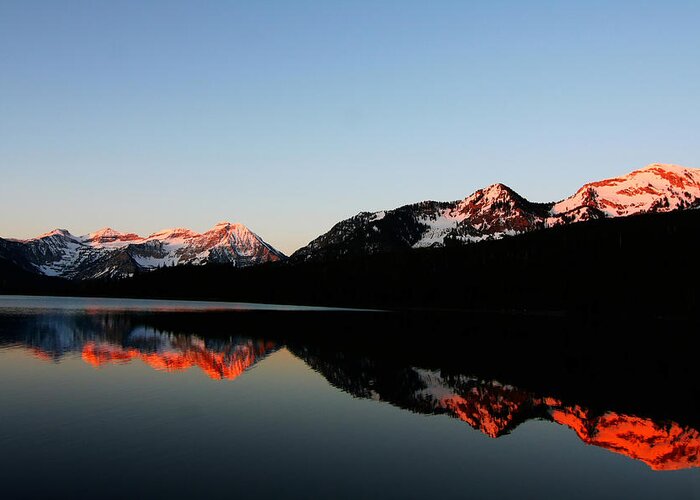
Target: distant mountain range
{"x": 110, "y": 254}
{"x": 497, "y": 211}
{"x": 488, "y": 214}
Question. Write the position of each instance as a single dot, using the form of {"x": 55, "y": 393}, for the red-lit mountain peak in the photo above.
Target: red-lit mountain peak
{"x": 108, "y": 253}
{"x": 229, "y": 228}
{"x": 655, "y": 188}
{"x": 109, "y": 235}
{"x": 498, "y": 209}
{"x": 227, "y": 240}
{"x": 173, "y": 233}
{"x": 55, "y": 232}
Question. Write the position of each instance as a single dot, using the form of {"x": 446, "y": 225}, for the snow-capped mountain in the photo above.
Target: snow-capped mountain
{"x": 497, "y": 211}
{"x": 110, "y": 254}
{"x": 655, "y": 188}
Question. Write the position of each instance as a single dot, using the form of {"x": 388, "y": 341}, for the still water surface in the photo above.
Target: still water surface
{"x": 99, "y": 401}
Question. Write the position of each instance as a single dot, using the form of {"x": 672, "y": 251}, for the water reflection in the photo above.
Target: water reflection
{"x": 493, "y": 408}
{"x": 496, "y": 409}
{"x": 103, "y": 339}
{"x": 227, "y": 363}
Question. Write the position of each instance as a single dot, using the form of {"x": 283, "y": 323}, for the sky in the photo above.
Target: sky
{"x": 289, "y": 116}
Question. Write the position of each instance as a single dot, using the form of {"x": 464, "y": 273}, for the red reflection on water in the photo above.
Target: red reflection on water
{"x": 38, "y": 353}
{"x": 489, "y": 407}
{"x": 495, "y": 410}
{"x": 226, "y": 364}
{"x": 661, "y": 446}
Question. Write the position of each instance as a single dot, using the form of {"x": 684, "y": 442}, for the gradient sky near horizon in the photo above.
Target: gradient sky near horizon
{"x": 289, "y": 116}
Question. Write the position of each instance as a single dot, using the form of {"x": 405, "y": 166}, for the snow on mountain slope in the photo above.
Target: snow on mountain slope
{"x": 488, "y": 213}
{"x": 404, "y": 227}
{"x": 109, "y": 253}
{"x": 655, "y": 188}
{"x": 497, "y": 211}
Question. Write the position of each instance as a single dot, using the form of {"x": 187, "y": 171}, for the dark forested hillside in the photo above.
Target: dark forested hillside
{"x": 16, "y": 280}
{"x": 644, "y": 263}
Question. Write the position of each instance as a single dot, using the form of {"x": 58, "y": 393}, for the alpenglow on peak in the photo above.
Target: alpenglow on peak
{"x": 107, "y": 253}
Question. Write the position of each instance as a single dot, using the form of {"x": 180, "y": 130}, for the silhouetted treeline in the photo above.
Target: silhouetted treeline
{"x": 647, "y": 263}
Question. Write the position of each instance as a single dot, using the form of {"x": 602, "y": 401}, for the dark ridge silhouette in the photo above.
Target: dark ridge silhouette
{"x": 645, "y": 264}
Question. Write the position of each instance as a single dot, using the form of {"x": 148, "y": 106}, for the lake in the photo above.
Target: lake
{"x": 126, "y": 398}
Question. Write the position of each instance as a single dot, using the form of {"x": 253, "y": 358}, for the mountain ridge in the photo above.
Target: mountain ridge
{"x": 493, "y": 212}
{"x": 497, "y": 211}
{"x": 107, "y": 253}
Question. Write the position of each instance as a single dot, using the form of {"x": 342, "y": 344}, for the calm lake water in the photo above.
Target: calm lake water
{"x": 150, "y": 399}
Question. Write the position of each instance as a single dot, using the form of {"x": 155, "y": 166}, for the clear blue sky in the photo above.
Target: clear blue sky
{"x": 288, "y": 115}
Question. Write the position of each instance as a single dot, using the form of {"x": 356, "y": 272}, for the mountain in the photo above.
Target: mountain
{"x": 655, "y": 188}
{"x": 497, "y": 211}
{"x": 110, "y": 254}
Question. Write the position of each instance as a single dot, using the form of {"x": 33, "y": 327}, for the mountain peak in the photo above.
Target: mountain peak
{"x": 497, "y": 210}
{"x": 107, "y": 253}
{"x": 490, "y": 194}
{"x": 54, "y": 232}
{"x": 497, "y": 187}
{"x": 657, "y": 187}
{"x": 109, "y": 235}
{"x": 669, "y": 167}
{"x": 227, "y": 223}
{"x": 105, "y": 231}
{"x": 228, "y": 226}
{"x": 173, "y": 232}
{"x": 488, "y": 197}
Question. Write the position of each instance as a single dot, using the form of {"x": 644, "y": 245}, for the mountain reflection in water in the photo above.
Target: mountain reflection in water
{"x": 227, "y": 363}
{"x": 493, "y": 408}
{"x": 496, "y": 409}
{"x": 104, "y": 339}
